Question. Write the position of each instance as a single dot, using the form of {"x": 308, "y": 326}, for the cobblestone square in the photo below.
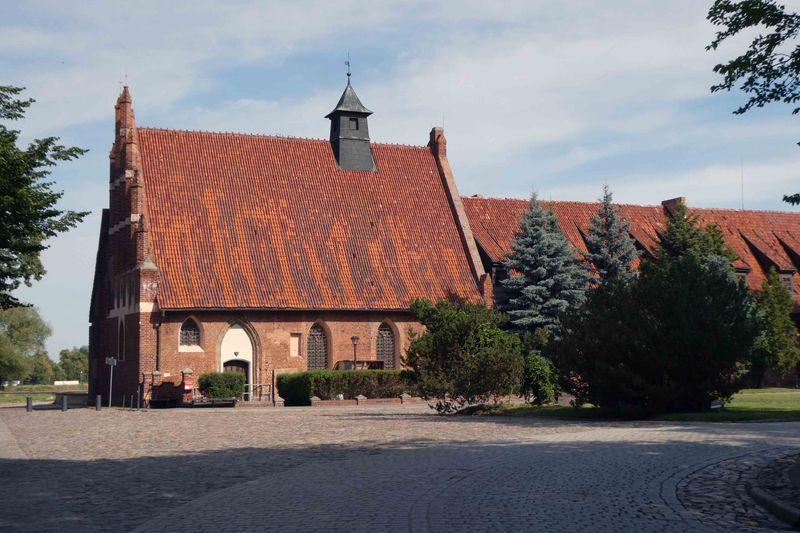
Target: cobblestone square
{"x": 398, "y": 468}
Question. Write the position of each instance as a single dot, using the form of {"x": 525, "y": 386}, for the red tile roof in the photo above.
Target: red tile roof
{"x": 760, "y": 238}
{"x": 248, "y": 221}
{"x": 756, "y": 236}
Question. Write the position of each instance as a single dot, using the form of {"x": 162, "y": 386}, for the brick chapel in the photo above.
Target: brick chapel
{"x": 266, "y": 254}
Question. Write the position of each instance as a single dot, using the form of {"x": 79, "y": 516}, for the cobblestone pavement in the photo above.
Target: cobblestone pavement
{"x": 717, "y": 493}
{"x": 376, "y": 469}
{"x": 776, "y": 478}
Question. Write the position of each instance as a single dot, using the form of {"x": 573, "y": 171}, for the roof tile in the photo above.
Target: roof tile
{"x": 249, "y": 221}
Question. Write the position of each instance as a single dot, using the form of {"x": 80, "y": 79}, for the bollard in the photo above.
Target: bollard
{"x": 98, "y": 400}
{"x": 138, "y": 400}
{"x": 64, "y": 405}
{"x": 131, "y": 404}
{"x": 29, "y": 403}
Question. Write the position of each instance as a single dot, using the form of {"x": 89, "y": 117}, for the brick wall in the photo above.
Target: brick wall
{"x": 270, "y": 332}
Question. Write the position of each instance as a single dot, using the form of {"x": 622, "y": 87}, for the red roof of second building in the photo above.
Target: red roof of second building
{"x": 761, "y": 239}
{"x": 247, "y": 221}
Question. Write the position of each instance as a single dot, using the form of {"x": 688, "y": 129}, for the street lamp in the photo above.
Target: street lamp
{"x": 354, "y": 338}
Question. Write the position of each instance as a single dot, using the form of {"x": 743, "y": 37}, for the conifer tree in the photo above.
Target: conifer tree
{"x": 546, "y": 277}
{"x": 611, "y": 248}
{"x": 776, "y": 347}
{"x": 684, "y": 236}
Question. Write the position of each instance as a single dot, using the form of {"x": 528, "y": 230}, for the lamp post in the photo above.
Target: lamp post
{"x": 354, "y": 338}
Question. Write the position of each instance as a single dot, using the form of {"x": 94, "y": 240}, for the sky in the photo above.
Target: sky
{"x": 548, "y": 96}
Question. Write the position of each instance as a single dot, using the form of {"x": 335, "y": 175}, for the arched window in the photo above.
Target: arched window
{"x": 317, "y": 348}
{"x": 190, "y": 333}
{"x": 385, "y": 346}
{"x": 121, "y": 343}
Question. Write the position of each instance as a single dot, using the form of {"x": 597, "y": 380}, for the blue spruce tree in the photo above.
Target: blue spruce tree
{"x": 546, "y": 277}
{"x": 611, "y": 250}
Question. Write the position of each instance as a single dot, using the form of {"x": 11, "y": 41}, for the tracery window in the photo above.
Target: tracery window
{"x": 190, "y": 333}
{"x": 317, "y": 348}
{"x": 384, "y": 349}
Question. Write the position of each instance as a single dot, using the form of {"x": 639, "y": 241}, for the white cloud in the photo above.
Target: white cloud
{"x": 709, "y": 186}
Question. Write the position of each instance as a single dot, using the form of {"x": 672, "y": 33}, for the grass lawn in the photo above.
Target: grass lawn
{"x": 41, "y": 393}
{"x": 21, "y": 397}
{"x": 750, "y": 404}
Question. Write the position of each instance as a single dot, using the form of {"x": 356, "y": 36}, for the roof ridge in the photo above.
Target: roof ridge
{"x": 745, "y": 211}
{"x": 236, "y": 133}
{"x": 497, "y": 198}
{"x": 691, "y": 208}
{"x": 268, "y": 136}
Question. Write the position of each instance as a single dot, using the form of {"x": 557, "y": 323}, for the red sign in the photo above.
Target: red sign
{"x": 188, "y": 385}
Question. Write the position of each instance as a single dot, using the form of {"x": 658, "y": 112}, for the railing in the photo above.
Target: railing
{"x": 257, "y": 392}
{"x": 366, "y": 364}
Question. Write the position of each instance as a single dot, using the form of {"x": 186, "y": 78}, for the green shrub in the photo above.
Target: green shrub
{"x": 297, "y": 388}
{"x": 221, "y": 384}
{"x": 463, "y": 357}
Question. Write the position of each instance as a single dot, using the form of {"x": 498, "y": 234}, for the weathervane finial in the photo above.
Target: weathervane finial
{"x": 348, "y": 65}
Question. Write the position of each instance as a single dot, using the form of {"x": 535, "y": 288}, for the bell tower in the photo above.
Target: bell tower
{"x": 350, "y": 132}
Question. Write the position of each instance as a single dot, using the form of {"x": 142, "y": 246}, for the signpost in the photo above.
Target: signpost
{"x": 111, "y": 362}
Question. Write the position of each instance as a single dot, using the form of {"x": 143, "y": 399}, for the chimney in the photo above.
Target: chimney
{"x": 672, "y": 204}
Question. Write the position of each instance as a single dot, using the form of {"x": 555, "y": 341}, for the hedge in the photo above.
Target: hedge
{"x": 221, "y": 384}
{"x": 297, "y": 388}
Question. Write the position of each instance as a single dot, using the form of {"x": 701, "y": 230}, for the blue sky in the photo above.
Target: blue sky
{"x": 557, "y": 97}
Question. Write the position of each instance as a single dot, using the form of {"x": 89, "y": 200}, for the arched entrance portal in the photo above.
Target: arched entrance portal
{"x": 236, "y": 352}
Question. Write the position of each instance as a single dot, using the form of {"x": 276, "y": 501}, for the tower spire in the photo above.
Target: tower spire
{"x": 349, "y": 130}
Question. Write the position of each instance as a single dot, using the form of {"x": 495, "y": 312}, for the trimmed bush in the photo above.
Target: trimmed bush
{"x": 297, "y": 388}
{"x": 221, "y": 384}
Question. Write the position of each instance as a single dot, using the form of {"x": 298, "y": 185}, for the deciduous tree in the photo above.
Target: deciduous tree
{"x": 28, "y": 212}
{"x": 463, "y": 357}
{"x": 41, "y": 369}
{"x": 22, "y": 334}
{"x": 74, "y": 363}
{"x": 769, "y": 71}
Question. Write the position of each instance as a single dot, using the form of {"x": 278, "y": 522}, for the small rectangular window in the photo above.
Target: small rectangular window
{"x": 787, "y": 280}
{"x": 741, "y": 276}
{"x": 354, "y": 124}
{"x": 294, "y": 345}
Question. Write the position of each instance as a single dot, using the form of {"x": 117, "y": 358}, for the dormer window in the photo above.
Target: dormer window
{"x": 787, "y": 280}
{"x": 190, "y": 334}
{"x": 741, "y": 276}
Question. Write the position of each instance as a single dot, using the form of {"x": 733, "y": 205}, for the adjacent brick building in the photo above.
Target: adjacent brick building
{"x": 266, "y": 254}
{"x": 761, "y": 239}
